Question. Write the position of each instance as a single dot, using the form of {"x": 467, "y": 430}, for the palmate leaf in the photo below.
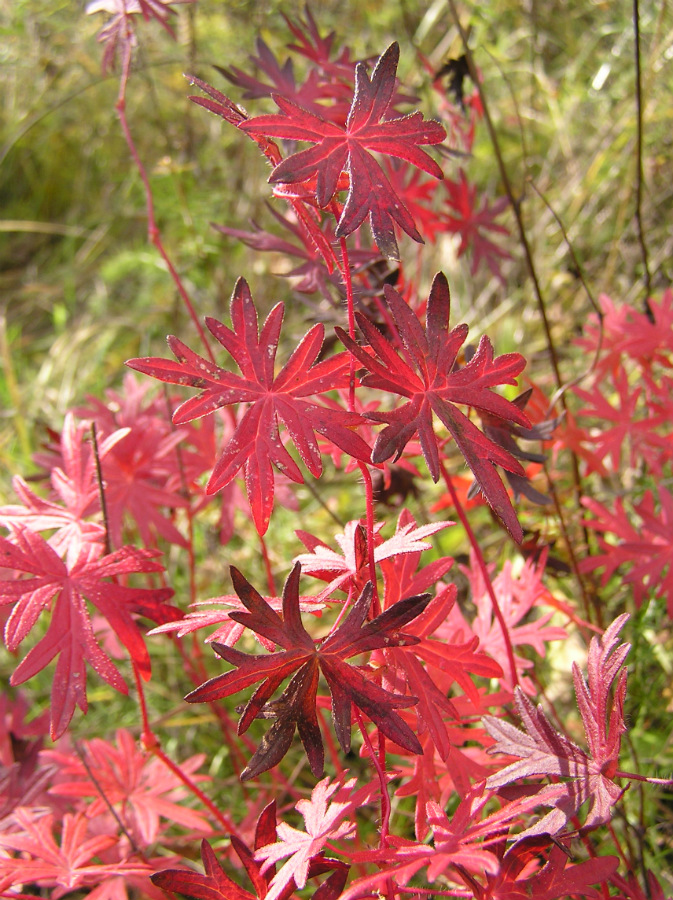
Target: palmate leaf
{"x": 328, "y": 816}
{"x": 271, "y": 399}
{"x": 542, "y": 750}
{"x": 70, "y": 636}
{"x": 427, "y": 377}
{"x": 473, "y": 224}
{"x": 349, "y": 148}
{"x": 303, "y": 661}
{"x": 463, "y": 846}
{"x": 215, "y": 884}
{"x": 68, "y": 865}
{"x": 140, "y": 788}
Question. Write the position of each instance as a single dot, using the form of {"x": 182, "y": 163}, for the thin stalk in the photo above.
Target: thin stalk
{"x": 481, "y": 562}
{"x": 515, "y": 202}
{"x": 633, "y": 776}
{"x": 113, "y": 812}
{"x": 316, "y": 495}
{"x": 589, "y": 599}
{"x": 224, "y": 821}
{"x": 267, "y": 566}
{"x": 639, "y": 155}
{"x": 379, "y": 766}
{"x": 617, "y": 845}
{"x": 153, "y": 232}
{"x": 366, "y": 474}
{"x": 523, "y": 239}
{"x": 151, "y": 744}
{"x": 379, "y": 762}
{"x": 350, "y": 310}
{"x": 101, "y": 487}
{"x": 369, "y": 498}
{"x": 185, "y": 493}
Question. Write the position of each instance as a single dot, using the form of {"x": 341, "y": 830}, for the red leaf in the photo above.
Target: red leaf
{"x": 428, "y": 379}
{"x": 67, "y": 866}
{"x": 337, "y": 149}
{"x": 324, "y": 816}
{"x": 301, "y": 659}
{"x": 141, "y": 789}
{"x": 544, "y": 751}
{"x": 473, "y": 224}
{"x": 214, "y": 884}
{"x": 70, "y": 635}
{"x": 256, "y": 442}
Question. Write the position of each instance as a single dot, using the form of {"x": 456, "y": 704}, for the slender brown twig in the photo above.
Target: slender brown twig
{"x": 639, "y": 158}
{"x": 514, "y": 201}
{"x": 101, "y": 487}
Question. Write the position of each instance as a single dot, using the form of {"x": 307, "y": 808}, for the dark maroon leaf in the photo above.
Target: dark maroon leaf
{"x": 427, "y": 377}
{"x": 303, "y": 661}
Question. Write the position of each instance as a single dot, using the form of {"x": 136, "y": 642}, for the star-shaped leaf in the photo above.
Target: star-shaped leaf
{"x": 300, "y": 658}
{"x": 272, "y": 399}
{"x": 427, "y": 376}
{"x": 349, "y": 148}
{"x": 542, "y": 750}
{"x": 70, "y": 635}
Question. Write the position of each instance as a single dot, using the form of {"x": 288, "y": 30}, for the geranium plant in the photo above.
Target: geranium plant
{"x": 378, "y": 712}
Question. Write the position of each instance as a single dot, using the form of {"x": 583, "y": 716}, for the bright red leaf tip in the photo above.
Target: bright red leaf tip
{"x": 271, "y": 400}
{"x": 427, "y": 376}
{"x": 339, "y": 149}
{"x": 300, "y": 658}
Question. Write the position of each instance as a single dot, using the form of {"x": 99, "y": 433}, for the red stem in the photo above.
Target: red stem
{"x": 369, "y": 498}
{"x": 366, "y": 475}
{"x": 148, "y": 736}
{"x": 267, "y": 565}
{"x": 634, "y": 777}
{"x": 224, "y": 821}
{"x": 153, "y": 233}
{"x": 350, "y": 308}
{"x": 379, "y": 766}
{"x": 484, "y": 571}
{"x": 150, "y": 742}
{"x": 379, "y": 763}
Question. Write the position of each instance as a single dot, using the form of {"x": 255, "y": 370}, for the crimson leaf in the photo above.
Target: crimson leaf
{"x": 301, "y": 659}
{"x": 70, "y": 635}
{"x": 427, "y": 377}
{"x": 339, "y": 148}
{"x": 256, "y": 442}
